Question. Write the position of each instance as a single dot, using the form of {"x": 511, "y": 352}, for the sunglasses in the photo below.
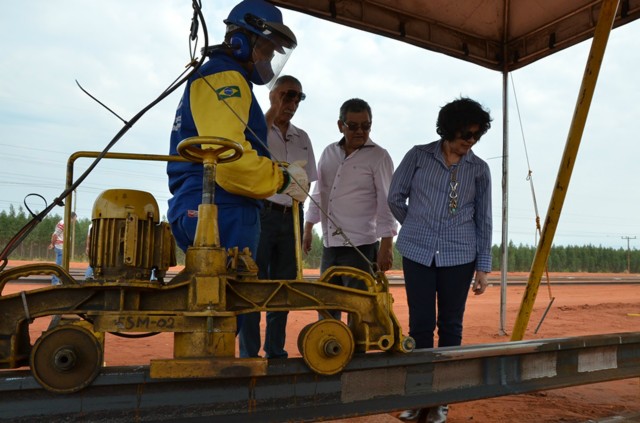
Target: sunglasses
{"x": 365, "y": 126}
{"x": 293, "y": 94}
{"x": 466, "y": 136}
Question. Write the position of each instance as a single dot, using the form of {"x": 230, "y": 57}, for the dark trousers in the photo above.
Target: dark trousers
{"x": 436, "y": 297}
{"x": 348, "y": 256}
{"x": 276, "y": 259}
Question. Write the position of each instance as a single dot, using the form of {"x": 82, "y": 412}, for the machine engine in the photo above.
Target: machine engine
{"x": 128, "y": 241}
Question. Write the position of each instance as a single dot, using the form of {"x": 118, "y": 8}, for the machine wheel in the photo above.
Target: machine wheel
{"x": 326, "y": 346}
{"x": 66, "y": 359}
{"x": 191, "y": 149}
{"x": 408, "y": 344}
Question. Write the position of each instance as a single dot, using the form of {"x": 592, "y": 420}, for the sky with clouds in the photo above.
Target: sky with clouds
{"x": 127, "y": 52}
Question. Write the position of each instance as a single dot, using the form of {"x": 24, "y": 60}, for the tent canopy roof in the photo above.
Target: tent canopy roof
{"x": 502, "y": 35}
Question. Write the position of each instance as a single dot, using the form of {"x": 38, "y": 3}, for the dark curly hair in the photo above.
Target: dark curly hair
{"x": 456, "y": 117}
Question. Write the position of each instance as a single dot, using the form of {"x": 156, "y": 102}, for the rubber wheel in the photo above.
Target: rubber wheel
{"x": 326, "y": 346}
{"x": 66, "y": 359}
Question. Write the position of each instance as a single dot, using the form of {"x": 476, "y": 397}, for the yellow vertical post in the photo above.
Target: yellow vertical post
{"x": 66, "y": 235}
{"x": 207, "y": 231}
{"x": 296, "y": 235}
{"x": 589, "y": 79}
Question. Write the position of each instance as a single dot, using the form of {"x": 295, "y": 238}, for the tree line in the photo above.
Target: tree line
{"x": 573, "y": 258}
{"x": 36, "y": 245}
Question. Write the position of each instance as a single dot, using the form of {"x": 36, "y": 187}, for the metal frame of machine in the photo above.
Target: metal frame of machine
{"x": 131, "y": 251}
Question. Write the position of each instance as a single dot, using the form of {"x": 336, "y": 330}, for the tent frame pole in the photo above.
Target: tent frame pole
{"x": 504, "y": 245}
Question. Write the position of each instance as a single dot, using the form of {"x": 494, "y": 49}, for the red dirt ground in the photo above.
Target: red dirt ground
{"x": 577, "y": 310}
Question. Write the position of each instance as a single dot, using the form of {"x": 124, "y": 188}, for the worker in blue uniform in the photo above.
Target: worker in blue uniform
{"x": 218, "y": 101}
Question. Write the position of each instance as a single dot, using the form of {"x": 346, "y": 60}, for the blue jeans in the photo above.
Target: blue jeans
{"x": 54, "y": 279}
{"x": 348, "y": 256}
{"x": 275, "y": 260}
{"x": 447, "y": 287}
{"x": 88, "y": 274}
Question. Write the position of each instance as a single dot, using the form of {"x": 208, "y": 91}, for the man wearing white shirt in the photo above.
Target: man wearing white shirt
{"x": 353, "y": 182}
{"x": 275, "y": 256}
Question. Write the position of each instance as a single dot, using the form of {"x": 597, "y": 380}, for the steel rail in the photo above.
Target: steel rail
{"x": 494, "y": 279}
{"x": 372, "y": 383}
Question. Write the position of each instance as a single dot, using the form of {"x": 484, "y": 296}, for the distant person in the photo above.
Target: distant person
{"x": 441, "y": 195}
{"x": 277, "y": 250}
{"x": 354, "y": 174}
{"x": 88, "y": 274}
{"x": 57, "y": 241}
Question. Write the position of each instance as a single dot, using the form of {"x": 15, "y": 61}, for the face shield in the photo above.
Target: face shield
{"x": 268, "y": 61}
{"x": 273, "y": 46}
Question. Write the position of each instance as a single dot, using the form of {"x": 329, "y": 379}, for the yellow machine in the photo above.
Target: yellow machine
{"x": 131, "y": 252}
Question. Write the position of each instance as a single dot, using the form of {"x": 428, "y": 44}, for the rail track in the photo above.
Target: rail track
{"x": 372, "y": 383}
{"x": 494, "y": 278}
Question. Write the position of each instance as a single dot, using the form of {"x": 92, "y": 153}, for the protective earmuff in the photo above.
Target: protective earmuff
{"x": 239, "y": 43}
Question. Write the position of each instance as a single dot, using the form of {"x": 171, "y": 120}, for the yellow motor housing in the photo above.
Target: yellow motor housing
{"x": 128, "y": 241}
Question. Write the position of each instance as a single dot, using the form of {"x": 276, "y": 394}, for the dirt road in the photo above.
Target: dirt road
{"x": 577, "y": 310}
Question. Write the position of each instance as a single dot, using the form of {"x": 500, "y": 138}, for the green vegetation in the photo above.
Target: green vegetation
{"x": 573, "y": 258}
{"x": 35, "y": 246}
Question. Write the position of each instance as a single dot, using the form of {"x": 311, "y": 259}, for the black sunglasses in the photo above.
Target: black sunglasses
{"x": 355, "y": 126}
{"x": 293, "y": 94}
{"x": 468, "y": 135}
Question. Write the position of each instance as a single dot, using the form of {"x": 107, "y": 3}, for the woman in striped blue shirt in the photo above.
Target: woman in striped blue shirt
{"x": 441, "y": 194}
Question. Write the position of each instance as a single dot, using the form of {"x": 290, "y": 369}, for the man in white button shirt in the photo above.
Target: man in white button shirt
{"x": 353, "y": 181}
{"x": 276, "y": 251}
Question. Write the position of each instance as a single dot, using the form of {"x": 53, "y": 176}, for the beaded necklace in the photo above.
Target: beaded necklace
{"x": 453, "y": 193}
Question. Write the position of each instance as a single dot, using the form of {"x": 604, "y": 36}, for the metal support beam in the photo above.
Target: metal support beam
{"x": 371, "y": 384}
{"x": 591, "y": 72}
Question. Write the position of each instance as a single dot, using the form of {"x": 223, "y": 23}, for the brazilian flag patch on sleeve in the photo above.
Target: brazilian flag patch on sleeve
{"x": 228, "y": 92}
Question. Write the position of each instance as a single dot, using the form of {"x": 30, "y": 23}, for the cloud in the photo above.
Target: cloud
{"x": 126, "y": 53}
